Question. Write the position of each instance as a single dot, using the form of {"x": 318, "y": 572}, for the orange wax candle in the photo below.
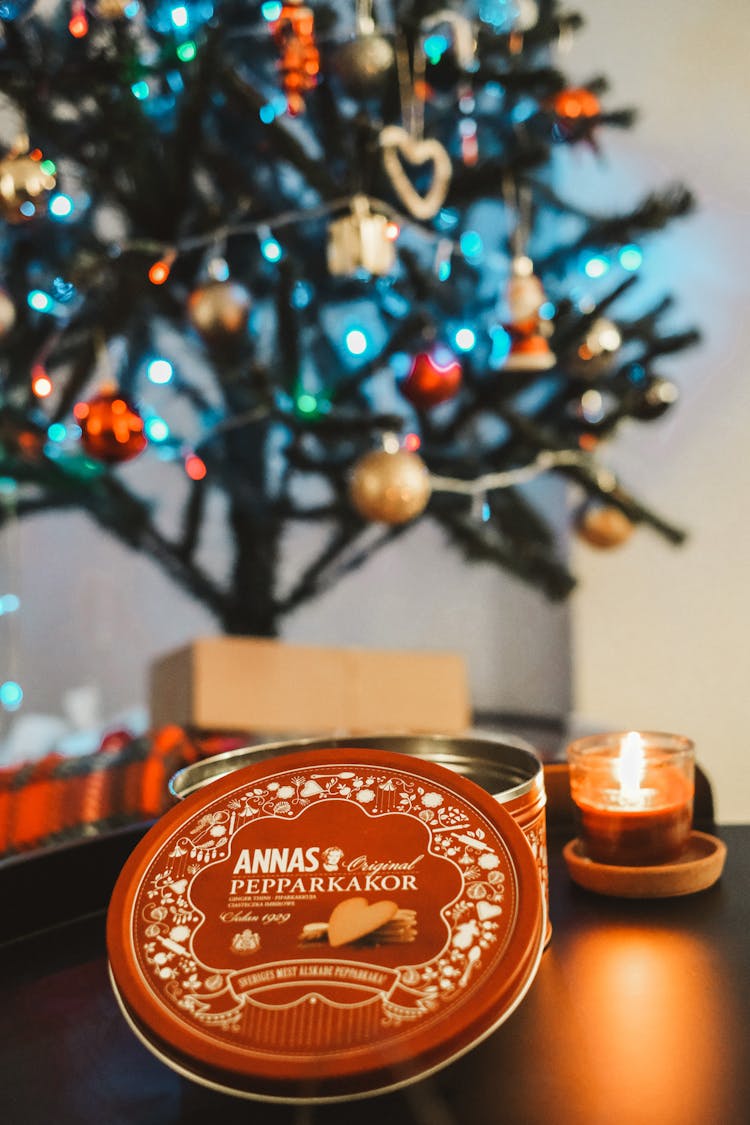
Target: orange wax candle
{"x": 634, "y": 795}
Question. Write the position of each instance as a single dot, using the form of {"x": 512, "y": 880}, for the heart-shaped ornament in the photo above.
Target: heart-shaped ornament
{"x": 354, "y": 918}
{"x": 397, "y": 146}
{"x": 486, "y": 910}
{"x": 179, "y": 886}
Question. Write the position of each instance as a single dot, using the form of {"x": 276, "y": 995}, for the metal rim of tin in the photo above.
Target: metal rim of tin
{"x": 496, "y": 996}
{"x": 472, "y": 757}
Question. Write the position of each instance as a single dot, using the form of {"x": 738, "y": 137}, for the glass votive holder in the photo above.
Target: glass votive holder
{"x": 633, "y": 792}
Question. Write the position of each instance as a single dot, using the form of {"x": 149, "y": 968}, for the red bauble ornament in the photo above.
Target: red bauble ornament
{"x": 112, "y": 428}
{"x": 434, "y": 377}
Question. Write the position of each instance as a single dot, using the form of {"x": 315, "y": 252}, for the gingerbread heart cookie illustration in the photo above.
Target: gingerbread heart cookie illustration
{"x": 354, "y": 918}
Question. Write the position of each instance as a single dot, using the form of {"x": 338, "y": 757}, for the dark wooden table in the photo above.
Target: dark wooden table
{"x": 639, "y": 1015}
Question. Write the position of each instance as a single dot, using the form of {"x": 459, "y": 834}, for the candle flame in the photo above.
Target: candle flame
{"x": 629, "y": 767}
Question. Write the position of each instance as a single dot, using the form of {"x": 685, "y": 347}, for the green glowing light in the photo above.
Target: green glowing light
{"x": 187, "y": 51}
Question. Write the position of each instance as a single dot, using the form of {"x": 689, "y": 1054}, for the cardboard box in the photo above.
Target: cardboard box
{"x": 257, "y": 685}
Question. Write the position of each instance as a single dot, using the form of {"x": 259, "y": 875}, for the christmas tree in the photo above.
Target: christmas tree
{"x": 311, "y": 262}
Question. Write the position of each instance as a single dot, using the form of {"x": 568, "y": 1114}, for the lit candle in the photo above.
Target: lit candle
{"x": 634, "y": 795}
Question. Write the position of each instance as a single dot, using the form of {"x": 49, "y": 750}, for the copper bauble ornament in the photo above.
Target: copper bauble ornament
{"x": 390, "y": 487}
{"x": 433, "y": 377}
{"x": 22, "y": 181}
{"x": 7, "y": 313}
{"x": 363, "y": 64}
{"x": 603, "y": 526}
{"x": 111, "y": 427}
{"x": 219, "y": 308}
{"x": 598, "y": 350}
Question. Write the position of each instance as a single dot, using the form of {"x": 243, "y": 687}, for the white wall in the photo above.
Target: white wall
{"x": 94, "y": 615}
{"x": 661, "y": 634}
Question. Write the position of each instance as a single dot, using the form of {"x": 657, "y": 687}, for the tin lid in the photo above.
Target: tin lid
{"x": 334, "y": 923}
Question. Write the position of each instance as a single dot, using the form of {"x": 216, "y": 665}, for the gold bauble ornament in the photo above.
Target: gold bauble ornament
{"x": 22, "y": 180}
{"x": 390, "y": 487}
{"x": 603, "y": 526}
{"x": 219, "y": 308}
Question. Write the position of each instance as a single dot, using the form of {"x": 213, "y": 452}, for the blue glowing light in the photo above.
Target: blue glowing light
{"x": 435, "y": 47}
{"x": 486, "y": 511}
{"x": 271, "y": 10}
{"x": 447, "y": 218}
{"x": 11, "y": 695}
{"x": 63, "y": 290}
{"x": 400, "y": 364}
{"x": 524, "y": 109}
{"x": 9, "y": 603}
{"x": 39, "y": 301}
{"x": 302, "y": 294}
{"x": 266, "y": 113}
{"x": 631, "y": 257}
{"x": 175, "y": 81}
{"x": 271, "y": 249}
{"x": 501, "y": 342}
{"x": 57, "y": 432}
{"x": 179, "y": 16}
{"x": 160, "y": 371}
{"x": 61, "y": 206}
{"x": 140, "y": 90}
{"x": 444, "y": 270}
{"x": 503, "y": 15}
{"x": 471, "y": 244}
{"x": 596, "y": 266}
{"x": 131, "y": 10}
{"x": 465, "y": 339}
{"x": 356, "y": 341}
{"x": 27, "y": 208}
{"x": 156, "y": 429}
{"x": 547, "y": 310}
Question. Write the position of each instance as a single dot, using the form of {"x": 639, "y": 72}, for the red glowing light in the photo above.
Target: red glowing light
{"x": 194, "y": 467}
{"x": 36, "y": 154}
{"x": 159, "y": 272}
{"x": 79, "y": 25}
{"x": 412, "y": 442}
{"x": 392, "y": 231}
{"x": 575, "y": 103}
{"x": 41, "y": 384}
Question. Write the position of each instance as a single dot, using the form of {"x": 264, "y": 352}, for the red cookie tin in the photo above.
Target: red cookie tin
{"x": 330, "y": 924}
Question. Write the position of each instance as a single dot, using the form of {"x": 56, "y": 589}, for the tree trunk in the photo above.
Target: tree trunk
{"x": 251, "y": 605}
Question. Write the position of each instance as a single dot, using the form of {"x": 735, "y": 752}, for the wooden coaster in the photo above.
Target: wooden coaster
{"x": 699, "y": 867}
